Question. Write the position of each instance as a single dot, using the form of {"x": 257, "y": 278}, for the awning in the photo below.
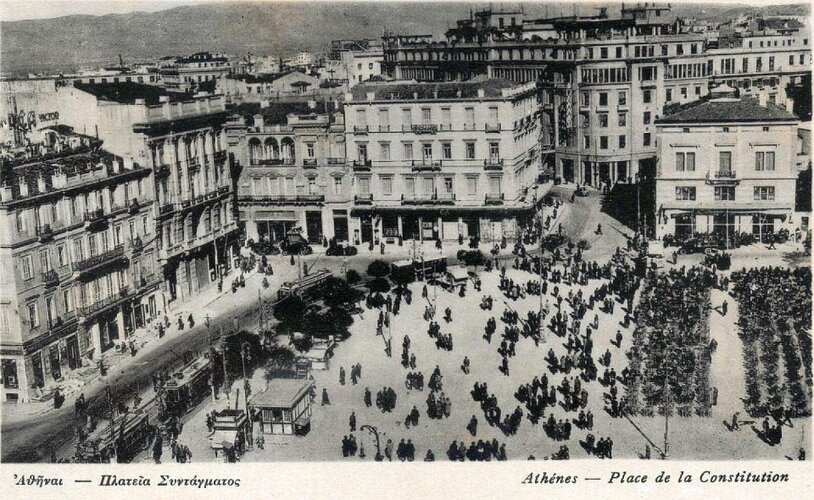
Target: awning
{"x": 217, "y": 440}
{"x": 302, "y": 420}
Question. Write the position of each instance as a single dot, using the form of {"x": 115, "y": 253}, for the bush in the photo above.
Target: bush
{"x": 378, "y": 269}
{"x": 379, "y": 285}
{"x": 353, "y": 277}
{"x": 473, "y": 258}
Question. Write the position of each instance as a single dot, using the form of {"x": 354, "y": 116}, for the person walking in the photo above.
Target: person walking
{"x": 325, "y": 399}
{"x": 352, "y": 421}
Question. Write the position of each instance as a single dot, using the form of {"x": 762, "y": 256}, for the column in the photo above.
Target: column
{"x": 400, "y": 225}
{"x": 95, "y": 335}
{"x": 120, "y": 321}
{"x": 440, "y": 228}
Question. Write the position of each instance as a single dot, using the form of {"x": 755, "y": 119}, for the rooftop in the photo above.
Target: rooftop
{"x": 277, "y": 112}
{"x": 128, "y": 92}
{"x": 492, "y": 87}
{"x": 728, "y": 110}
{"x": 282, "y": 393}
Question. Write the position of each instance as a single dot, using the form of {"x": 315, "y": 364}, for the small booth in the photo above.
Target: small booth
{"x": 320, "y": 354}
{"x": 402, "y": 271}
{"x": 454, "y": 277}
{"x": 284, "y": 407}
{"x": 230, "y": 431}
{"x": 188, "y": 386}
{"x": 426, "y": 269}
{"x": 121, "y": 440}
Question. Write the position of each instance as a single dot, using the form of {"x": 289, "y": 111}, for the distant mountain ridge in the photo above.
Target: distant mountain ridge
{"x": 67, "y": 43}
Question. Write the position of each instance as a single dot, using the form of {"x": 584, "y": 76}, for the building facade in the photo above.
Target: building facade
{"x": 605, "y": 80}
{"x": 292, "y": 170}
{"x": 181, "y": 139}
{"x": 441, "y": 160}
{"x": 78, "y": 272}
{"x": 187, "y": 73}
{"x": 726, "y": 165}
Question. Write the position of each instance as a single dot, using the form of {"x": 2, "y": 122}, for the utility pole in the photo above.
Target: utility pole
{"x": 208, "y": 321}
{"x": 223, "y": 359}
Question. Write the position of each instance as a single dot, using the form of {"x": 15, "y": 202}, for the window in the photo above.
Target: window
{"x": 603, "y": 98}
{"x": 470, "y": 150}
{"x": 745, "y": 65}
{"x": 33, "y": 315}
{"x": 407, "y": 117}
{"x": 802, "y": 59}
{"x": 668, "y": 95}
{"x": 685, "y": 162}
{"x": 725, "y": 161}
{"x": 62, "y": 255}
{"x": 586, "y": 99}
{"x": 45, "y": 262}
{"x": 426, "y": 151}
{"x": 385, "y": 150}
{"x": 408, "y": 150}
{"x": 448, "y": 185}
{"x": 27, "y": 267}
{"x": 426, "y": 116}
{"x": 370, "y": 66}
{"x": 493, "y": 116}
{"x": 646, "y": 139}
{"x": 470, "y": 117}
{"x": 361, "y": 152}
{"x": 364, "y": 185}
{"x": 309, "y": 150}
{"x": 664, "y": 50}
{"x": 622, "y": 142}
{"x": 50, "y": 310}
{"x": 337, "y": 185}
{"x": 603, "y": 120}
{"x": 646, "y": 96}
{"x": 387, "y": 186}
{"x": 764, "y": 160}
{"x": 472, "y": 186}
{"x": 66, "y": 299}
{"x": 679, "y": 49}
{"x": 603, "y": 53}
{"x": 764, "y": 193}
{"x": 771, "y": 63}
{"x": 384, "y": 119}
{"x": 791, "y": 59}
{"x": 697, "y": 90}
{"x": 361, "y": 118}
{"x": 409, "y": 185}
{"x": 586, "y": 141}
{"x": 724, "y": 193}
{"x": 494, "y": 151}
{"x": 144, "y": 226}
{"x": 646, "y": 117}
{"x": 622, "y": 118}
{"x": 685, "y": 193}
{"x": 684, "y": 92}
{"x": 446, "y": 117}
{"x": 603, "y": 142}
{"x": 20, "y": 220}
{"x": 446, "y": 149}
{"x": 618, "y": 52}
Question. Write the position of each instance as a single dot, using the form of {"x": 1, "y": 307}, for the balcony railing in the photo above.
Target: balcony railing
{"x": 722, "y": 177}
{"x": 362, "y": 165}
{"x": 276, "y": 161}
{"x": 103, "y": 259}
{"x": 426, "y": 165}
{"x": 493, "y": 164}
{"x": 336, "y": 161}
{"x": 361, "y": 129}
{"x": 494, "y": 199}
{"x": 50, "y": 278}
{"x": 166, "y": 208}
{"x": 94, "y": 215}
{"x": 309, "y": 162}
{"x": 90, "y": 310}
{"x": 493, "y": 127}
{"x": 425, "y": 129}
{"x": 44, "y": 232}
{"x": 363, "y": 199}
{"x": 285, "y": 198}
{"x": 724, "y": 174}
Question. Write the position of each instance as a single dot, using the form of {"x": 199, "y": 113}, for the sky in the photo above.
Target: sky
{"x": 15, "y": 10}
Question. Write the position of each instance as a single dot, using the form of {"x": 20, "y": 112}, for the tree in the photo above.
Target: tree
{"x": 337, "y": 293}
{"x": 378, "y": 269}
{"x": 282, "y": 359}
{"x": 353, "y": 276}
{"x": 473, "y": 258}
{"x": 289, "y": 313}
{"x": 379, "y": 285}
{"x": 303, "y": 344}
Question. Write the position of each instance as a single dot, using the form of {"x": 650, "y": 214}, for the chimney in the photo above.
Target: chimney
{"x": 415, "y": 95}
{"x": 258, "y": 121}
{"x": 164, "y": 99}
{"x": 312, "y": 104}
{"x": 370, "y": 96}
{"x": 481, "y": 93}
{"x": 761, "y": 99}
{"x": 790, "y": 105}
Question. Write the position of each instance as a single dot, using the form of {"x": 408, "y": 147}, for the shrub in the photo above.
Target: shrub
{"x": 379, "y": 285}
{"x": 378, "y": 269}
{"x": 353, "y": 277}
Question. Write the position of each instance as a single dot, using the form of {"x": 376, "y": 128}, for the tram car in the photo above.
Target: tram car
{"x": 119, "y": 441}
{"x": 305, "y": 286}
{"x": 188, "y": 386}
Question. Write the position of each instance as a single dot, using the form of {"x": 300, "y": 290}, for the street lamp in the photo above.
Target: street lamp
{"x": 375, "y": 433}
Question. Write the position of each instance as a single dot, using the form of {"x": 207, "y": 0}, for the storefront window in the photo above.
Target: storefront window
{"x": 10, "y": 380}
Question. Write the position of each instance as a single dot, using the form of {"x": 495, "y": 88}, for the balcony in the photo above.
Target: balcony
{"x": 492, "y": 164}
{"x": 361, "y": 129}
{"x": 362, "y": 165}
{"x": 363, "y": 199}
{"x": 309, "y": 162}
{"x": 44, "y": 232}
{"x": 166, "y": 209}
{"x": 285, "y": 199}
{"x": 96, "y": 262}
{"x": 87, "y": 312}
{"x": 494, "y": 199}
{"x": 50, "y": 278}
{"x": 426, "y": 165}
{"x": 425, "y": 129}
{"x": 136, "y": 245}
{"x": 336, "y": 161}
{"x": 722, "y": 178}
{"x": 134, "y": 206}
{"x": 94, "y": 219}
{"x": 286, "y": 162}
{"x": 493, "y": 127}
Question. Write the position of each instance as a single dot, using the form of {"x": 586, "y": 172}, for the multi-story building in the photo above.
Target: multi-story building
{"x": 292, "y": 170}
{"x": 78, "y": 269}
{"x": 180, "y": 138}
{"x": 726, "y": 165}
{"x": 605, "y": 80}
{"x": 354, "y": 61}
{"x": 187, "y": 73}
{"x": 439, "y": 160}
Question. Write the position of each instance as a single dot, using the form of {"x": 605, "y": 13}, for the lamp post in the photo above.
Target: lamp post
{"x": 375, "y": 433}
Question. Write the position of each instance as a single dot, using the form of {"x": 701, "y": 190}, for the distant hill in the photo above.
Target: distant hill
{"x": 66, "y": 43}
